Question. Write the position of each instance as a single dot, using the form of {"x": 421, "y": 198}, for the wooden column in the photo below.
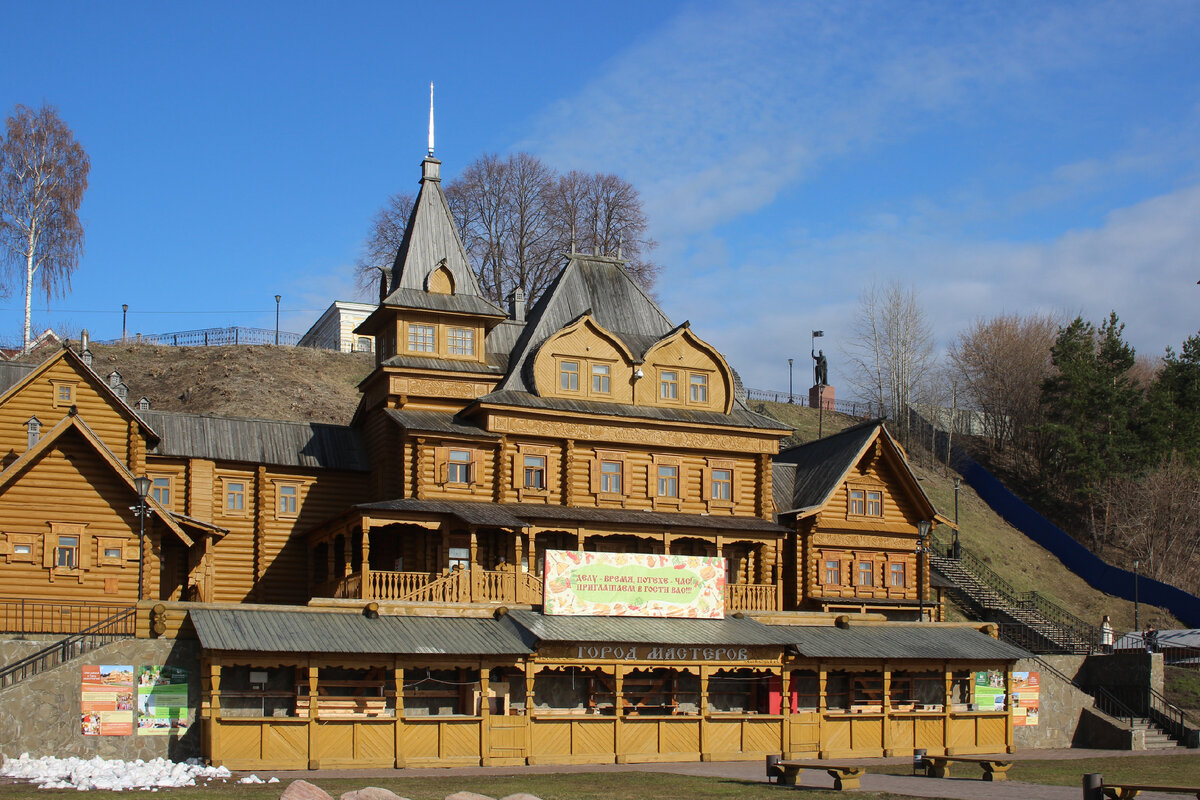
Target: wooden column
{"x": 705, "y": 755}
{"x": 214, "y": 711}
{"x": 777, "y": 576}
{"x": 419, "y": 452}
{"x": 948, "y": 679}
{"x": 618, "y": 703}
{"x": 313, "y": 761}
{"x": 884, "y": 738}
{"x": 568, "y": 469}
{"x": 366, "y": 592}
{"x": 485, "y": 712}
{"x": 472, "y": 566}
{"x": 398, "y": 728}
{"x": 822, "y": 707}
{"x": 330, "y": 571}
{"x": 1010, "y": 743}
{"x": 785, "y": 708}
{"x": 530, "y": 758}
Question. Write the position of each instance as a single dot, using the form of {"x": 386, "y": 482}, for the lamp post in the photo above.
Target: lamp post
{"x": 1136, "y": 625}
{"x": 957, "y": 482}
{"x": 142, "y": 485}
{"x": 278, "y": 297}
{"x": 923, "y": 528}
{"x": 790, "y": 400}
{"x": 124, "y": 313}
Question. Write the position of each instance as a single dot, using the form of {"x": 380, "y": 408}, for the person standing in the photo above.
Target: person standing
{"x": 1106, "y": 634}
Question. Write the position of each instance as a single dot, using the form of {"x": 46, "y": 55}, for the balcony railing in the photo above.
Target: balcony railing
{"x": 500, "y": 586}
{"x": 750, "y": 597}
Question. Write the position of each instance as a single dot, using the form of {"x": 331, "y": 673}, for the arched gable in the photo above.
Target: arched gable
{"x": 582, "y": 360}
{"x": 683, "y": 359}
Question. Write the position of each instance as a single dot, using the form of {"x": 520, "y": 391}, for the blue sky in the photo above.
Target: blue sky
{"x": 999, "y": 157}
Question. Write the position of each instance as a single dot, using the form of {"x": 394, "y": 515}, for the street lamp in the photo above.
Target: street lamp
{"x": 790, "y": 400}
{"x": 278, "y": 297}
{"x": 124, "y": 313}
{"x": 923, "y": 528}
{"x": 142, "y": 485}
{"x": 1136, "y": 565}
{"x": 957, "y": 482}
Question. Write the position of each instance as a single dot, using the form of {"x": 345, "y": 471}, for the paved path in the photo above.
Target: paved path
{"x": 967, "y": 788}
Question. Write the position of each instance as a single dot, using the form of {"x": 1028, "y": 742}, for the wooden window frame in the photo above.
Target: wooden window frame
{"x": 711, "y": 468}
{"x": 652, "y": 485}
{"x": 467, "y": 338}
{"x": 227, "y": 492}
{"x": 15, "y": 540}
{"x": 892, "y": 572}
{"x": 156, "y": 490}
{"x": 861, "y": 507}
{"x": 826, "y": 561}
{"x": 52, "y": 545}
{"x": 297, "y": 488}
{"x": 518, "y": 471}
{"x": 859, "y": 572}
{"x": 564, "y": 375}
{"x": 466, "y": 466}
{"x": 697, "y": 394}
{"x": 535, "y": 471}
{"x": 604, "y": 377}
{"x": 106, "y": 543}
{"x": 601, "y": 458}
{"x": 412, "y": 337}
{"x": 673, "y": 383}
{"x": 56, "y": 387}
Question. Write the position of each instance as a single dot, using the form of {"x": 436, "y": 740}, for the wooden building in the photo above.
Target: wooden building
{"x": 371, "y": 594}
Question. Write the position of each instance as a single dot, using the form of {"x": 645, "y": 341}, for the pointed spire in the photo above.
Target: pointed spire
{"x": 431, "y": 119}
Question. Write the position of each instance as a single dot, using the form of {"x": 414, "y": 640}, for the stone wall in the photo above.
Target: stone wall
{"x": 1060, "y": 706}
{"x": 14, "y": 649}
{"x": 42, "y": 715}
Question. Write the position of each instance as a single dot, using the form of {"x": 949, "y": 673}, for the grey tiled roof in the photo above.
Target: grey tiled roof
{"x": 436, "y": 422}
{"x": 257, "y": 441}
{"x": 433, "y": 301}
{"x": 740, "y": 416}
{"x": 442, "y": 364}
{"x": 895, "y": 641}
{"x": 645, "y": 630}
{"x": 516, "y": 515}
{"x": 286, "y": 631}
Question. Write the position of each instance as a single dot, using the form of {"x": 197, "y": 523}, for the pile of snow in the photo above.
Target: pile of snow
{"x": 49, "y": 772}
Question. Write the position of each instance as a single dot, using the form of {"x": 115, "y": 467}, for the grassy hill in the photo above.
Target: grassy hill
{"x": 1018, "y": 559}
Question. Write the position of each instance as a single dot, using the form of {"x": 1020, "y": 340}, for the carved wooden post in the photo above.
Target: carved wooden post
{"x": 398, "y": 729}
{"x": 474, "y": 575}
{"x": 367, "y": 592}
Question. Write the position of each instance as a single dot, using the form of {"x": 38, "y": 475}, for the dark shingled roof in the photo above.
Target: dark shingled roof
{"x": 646, "y": 630}
{"x": 257, "y": 441}
{"x": 443, "y": 364}
{"x": 433, "y": 301}
{"x": 516, "y": 515}
{"x": 269, "y": 631}
{"x": 437, "y": 422}
{"x": 11, "y": 374}
{"x": 739, "y": 417}
{"x": 821, "y": 464}
{"x": 888, "y": 641}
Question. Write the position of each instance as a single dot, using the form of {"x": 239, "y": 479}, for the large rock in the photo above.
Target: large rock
{"x": 371, "y": 793}
{"x": 521, "y": 796}
{"x": 468, "y": 796}
{"x": 303, "y": 790}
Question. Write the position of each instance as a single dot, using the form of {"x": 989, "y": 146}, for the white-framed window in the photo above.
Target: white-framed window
{"x": 697, "y": 388}
{"x": 458, "y": 467}
{"x": 535, "y": 472}
{"x": 460, "y": 341}
{"x": 865, "y": 502}
{"x": 235, "y": 497}
{"x": 874, "y": 503}
{"x": 601, "y": 379}
{"x": 289, "y": 500}
{"x": 66, "y": 552}
{"x": 722, "y": 484}
{"x": 896, "y": 575}
{"x": 422, "y": 338}
{"x": 833, "y": 572}
{"x": 866, "y": 573}
{"x": 160, "y": 490}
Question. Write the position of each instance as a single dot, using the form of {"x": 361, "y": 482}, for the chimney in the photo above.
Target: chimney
{"x": 114, "y": 379}
{"x": 83, "y": 341}
{"x": 516, "y": 305}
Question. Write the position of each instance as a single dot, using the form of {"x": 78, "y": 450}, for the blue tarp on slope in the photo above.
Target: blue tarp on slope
{"x": 1084, "y": 563}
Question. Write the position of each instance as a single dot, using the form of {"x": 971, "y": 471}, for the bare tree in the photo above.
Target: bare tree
{"x": 1158, "y": 514}
{"x": 517, "y": 219}
{"x": 1001, "y": 363}
{"x": 379, "y": 251}
{"x": 43, "y": 176}
{"x": 891, "y": 351}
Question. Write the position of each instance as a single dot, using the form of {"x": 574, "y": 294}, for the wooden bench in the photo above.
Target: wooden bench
{"x": 844, "y": 777}
{"x": 1124, "y": 791}
{"x": 993, "y": 769}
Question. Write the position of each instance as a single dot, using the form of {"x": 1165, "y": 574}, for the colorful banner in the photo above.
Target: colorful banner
{"x": 1026, "y": 697}
{"x": 107, "y": 700}
{"x": 633, "y": 585}
{"x": 162, "y": 700}
{"x": 989, "y": 691}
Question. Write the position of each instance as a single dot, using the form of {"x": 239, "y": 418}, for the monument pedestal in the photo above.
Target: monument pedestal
{"x": 821, "y": 397}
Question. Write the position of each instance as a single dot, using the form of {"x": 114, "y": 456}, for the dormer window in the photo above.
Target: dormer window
{"x": 34, "y": 429}
{"x": 698, "y": 388}
{"x": 422, "y": 338}
{"x": 461, "y": 341}
{"x": 601, "y": 379}
{"x": 568, "y": 376}
{"x": 668, "y": 385}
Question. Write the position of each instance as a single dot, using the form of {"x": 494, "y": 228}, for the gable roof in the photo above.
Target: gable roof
{"x": 806, "y": 476}
{"x": 898, "y": 641}
{"x": 73, "y": 423}
{"x": 258, "y": 441}
{"x": 431, "y": 241}
{"x": 96, "y": 381}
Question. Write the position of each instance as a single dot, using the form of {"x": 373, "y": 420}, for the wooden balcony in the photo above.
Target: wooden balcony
{"x": 499, "y": 586}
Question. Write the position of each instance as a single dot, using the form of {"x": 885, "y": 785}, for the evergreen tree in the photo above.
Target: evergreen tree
{"x": 1173, "y": 418}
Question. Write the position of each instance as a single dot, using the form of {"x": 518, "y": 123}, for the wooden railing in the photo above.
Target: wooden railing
{"x": 349, "y": 587}
{"x": 459, "y": 586}
{"x": 396, "y": 585}
{"x": 32, "y": 616}
{"x": 750, "y": 597}
{"x": 529, "y": 589}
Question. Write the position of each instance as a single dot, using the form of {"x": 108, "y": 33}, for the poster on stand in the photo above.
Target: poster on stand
{"x": 162, "y": 700}
{"x": 1026, "y": 697}
{"x": 107, "y": 700}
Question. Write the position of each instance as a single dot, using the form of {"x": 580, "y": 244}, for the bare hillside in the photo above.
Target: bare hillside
{"x": 288, "y": 383}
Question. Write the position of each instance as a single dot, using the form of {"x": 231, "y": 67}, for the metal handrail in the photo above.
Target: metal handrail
{"x": 1171, "y": 718}
{"x": 122, "y": 624}
{"x": 1107, "y": 702}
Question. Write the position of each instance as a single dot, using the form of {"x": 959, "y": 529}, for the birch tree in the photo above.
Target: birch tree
{"x": 43, "y": 176}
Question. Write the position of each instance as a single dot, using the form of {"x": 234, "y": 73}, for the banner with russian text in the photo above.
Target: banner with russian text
{"x": 633, "y": 585}
{"x": 107, "y": 699}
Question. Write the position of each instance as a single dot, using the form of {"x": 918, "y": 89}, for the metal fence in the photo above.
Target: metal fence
{"x": 854, "y": 409}
{"x": 211, "y": 337}
{"x": 19, "y": 615}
